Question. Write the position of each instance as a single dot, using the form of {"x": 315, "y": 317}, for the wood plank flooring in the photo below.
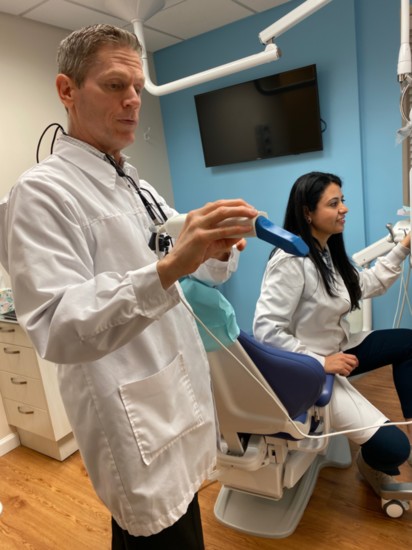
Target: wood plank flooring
{"x": 50, "y": 505}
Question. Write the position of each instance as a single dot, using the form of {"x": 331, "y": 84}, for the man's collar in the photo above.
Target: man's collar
{"x": 79, "y": 153}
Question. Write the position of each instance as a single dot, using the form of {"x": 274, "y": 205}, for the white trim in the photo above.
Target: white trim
{"x": 9, "y": 443}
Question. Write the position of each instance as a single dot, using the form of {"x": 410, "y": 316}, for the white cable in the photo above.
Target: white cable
{"x": 404, "y": 284}
{"x": 396, "y": 320}
{"x": 404, "y": 289}
{"x": 307, "y": 436}
{"x": 407, "y": 285}
{"x": 406, "y": 130}
{"x": 399, "y": 307}
{"x": 402, "y": 101}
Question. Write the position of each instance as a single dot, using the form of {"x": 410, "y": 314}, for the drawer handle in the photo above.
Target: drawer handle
{"x": 11, "y": 351}
{"x": 17, "y": 382}
{"x": 2, "y": 329}
{"x": 23, "y": 411}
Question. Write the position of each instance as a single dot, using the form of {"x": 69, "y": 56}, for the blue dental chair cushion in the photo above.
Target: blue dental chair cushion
{"x": 298, "y": 380}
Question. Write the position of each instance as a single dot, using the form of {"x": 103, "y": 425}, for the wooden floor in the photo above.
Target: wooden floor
{"x": 49, "y": 505}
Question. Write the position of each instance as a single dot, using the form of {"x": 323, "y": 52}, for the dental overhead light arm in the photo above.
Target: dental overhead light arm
{"x": 271, "y": 53}
{"x": 138, "y": 11}
{"x": 291, "y": 19}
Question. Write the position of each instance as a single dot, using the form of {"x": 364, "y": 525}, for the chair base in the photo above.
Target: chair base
{"x": 265, "y": 517}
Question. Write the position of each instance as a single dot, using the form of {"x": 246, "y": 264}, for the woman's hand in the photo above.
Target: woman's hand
{"x": 406, "y": 241}
{"x": 341, "y": 363}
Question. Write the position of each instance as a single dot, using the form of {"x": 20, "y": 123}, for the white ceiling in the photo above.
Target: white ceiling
{"x": 177, "y": 21}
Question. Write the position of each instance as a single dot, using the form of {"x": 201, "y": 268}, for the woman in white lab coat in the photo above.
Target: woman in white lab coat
{"x": 303, "y": 307}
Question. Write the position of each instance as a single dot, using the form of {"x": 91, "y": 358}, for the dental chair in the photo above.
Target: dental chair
{"x": 267, "y": 401}
{"x": 267, "y": 467}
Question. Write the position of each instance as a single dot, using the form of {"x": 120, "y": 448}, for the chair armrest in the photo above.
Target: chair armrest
{"x": 326, "y": 394}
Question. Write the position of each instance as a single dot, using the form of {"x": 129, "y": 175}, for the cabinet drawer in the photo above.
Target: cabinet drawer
{"x": 22, "y": 388}
{"x": 12, "y": 333}
{"x": 28, "y": 418}
{"x": 19, "y": 360}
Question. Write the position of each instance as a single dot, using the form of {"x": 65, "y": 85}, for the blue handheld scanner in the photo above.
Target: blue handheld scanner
{"x": 273, "y": 234}
{"x": 263, "y": 229}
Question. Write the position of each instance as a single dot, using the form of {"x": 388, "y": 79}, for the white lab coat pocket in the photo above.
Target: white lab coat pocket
{"x": 161, "y": 408}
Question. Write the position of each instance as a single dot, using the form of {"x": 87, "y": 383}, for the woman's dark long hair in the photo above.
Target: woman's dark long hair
{"x": 303, "y": 199}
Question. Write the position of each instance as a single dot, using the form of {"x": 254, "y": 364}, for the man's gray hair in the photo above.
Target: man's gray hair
{"x": 78, "y": 51}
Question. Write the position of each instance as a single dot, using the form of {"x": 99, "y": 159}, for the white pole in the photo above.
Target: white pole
{"x": 404, "y": 58}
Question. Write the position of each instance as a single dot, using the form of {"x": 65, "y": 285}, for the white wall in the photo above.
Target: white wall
{"x": 29, "y": 103}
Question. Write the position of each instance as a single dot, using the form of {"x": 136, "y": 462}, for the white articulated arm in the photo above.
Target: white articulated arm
{"x": 138, "y": 11}
{"x": 270, "y": 53}
{"x": 291, "y": 19}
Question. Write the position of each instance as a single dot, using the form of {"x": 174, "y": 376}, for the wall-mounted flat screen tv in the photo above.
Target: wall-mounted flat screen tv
{"x": 268, "y": 117}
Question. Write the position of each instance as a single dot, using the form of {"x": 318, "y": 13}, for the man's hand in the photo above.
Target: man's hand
{"x": 202, "y": 238}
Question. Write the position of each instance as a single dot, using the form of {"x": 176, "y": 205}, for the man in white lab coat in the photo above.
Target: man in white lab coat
{"x": 97, "y": 300}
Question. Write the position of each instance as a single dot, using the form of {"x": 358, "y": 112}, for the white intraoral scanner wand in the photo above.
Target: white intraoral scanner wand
{"x": 262, "y": 228}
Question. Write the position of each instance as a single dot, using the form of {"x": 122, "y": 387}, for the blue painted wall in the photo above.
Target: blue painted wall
{"x": 354, "y": 44}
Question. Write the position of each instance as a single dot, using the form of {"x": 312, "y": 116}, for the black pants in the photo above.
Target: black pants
{"x": 185, "y": 534}
{"x": 386, "y": 450}
{"x": 389, "y": 447}
{"x": 389, "y": 347}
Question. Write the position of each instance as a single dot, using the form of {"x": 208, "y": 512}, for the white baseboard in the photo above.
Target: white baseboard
{"x": 9, "y": 443}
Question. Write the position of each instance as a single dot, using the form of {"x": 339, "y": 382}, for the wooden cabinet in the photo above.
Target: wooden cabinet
{"x": 31, "y": 397}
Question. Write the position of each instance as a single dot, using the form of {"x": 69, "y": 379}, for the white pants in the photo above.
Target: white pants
{"x": 349, "y": 409}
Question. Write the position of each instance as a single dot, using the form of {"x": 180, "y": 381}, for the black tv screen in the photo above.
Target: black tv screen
{"x": 268, "y": 117}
